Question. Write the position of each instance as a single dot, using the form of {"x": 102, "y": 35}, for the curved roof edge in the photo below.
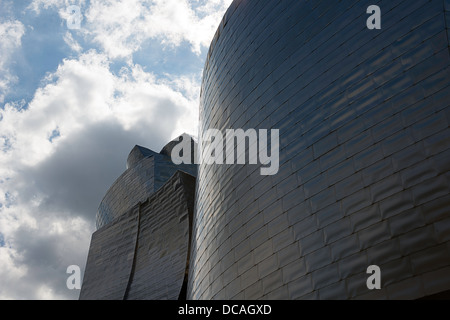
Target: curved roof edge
{"x": 231, "y": 9}
{"x": 137, "y": 154}
{"x": 167, "y": 149}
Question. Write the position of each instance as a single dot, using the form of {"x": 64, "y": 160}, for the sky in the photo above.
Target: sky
{"x": 75, "y": 97}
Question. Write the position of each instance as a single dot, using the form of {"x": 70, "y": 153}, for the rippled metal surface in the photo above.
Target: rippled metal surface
{"x": 364, "y": 161}
{"x": 143, "y": 254}
{"x": 147, "y": 171}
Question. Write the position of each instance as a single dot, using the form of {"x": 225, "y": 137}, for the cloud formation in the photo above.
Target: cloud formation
{"x": 170, "y": 21}
{"x": 11, "y": 33}
{"x": 66, "y": 149}
{"x": 120, "y": 27}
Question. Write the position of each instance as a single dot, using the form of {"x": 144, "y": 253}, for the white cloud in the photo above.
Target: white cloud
{"x": 11, "y": 33}
{"x": 75, "y": 97}
{"x": 82, "y": 92}
{"x": 10, "y": 272}
{"x": 120, "y": 27}
{"x": 39, "y": 257}
{"x": 38, "y": 5}
{"x": 72, "y": 43}
{"x": 51, "y": 188}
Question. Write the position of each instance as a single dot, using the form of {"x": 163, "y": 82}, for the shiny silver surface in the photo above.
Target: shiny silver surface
{"x": 143, "y": 254}
{"x": 364, "y": 132}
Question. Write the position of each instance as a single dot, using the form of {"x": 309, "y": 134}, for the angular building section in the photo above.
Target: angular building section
{"x": 141, "y": 249}
{"x": 147, "y": 171}
{"x": 162, "y": 249}
{"x": 364, "y": 162}
{"x": 110, "y": 259}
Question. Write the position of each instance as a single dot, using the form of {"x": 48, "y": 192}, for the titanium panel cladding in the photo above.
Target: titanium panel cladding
{"x": 144, "y": 253}
{"x": 163, "y": 244}
{"x": 134, "y": 185}
{"x": 147, "y": 171}
{"x": 110, "y": 259}
{"x": 364, "y": 135}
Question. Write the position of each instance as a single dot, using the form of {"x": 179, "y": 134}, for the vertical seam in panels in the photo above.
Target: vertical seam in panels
{"x": 185, "y": 283}
{"x": 133, "y": 266}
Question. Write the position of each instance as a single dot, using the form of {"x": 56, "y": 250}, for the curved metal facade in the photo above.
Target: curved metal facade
{"x": 134, "y": 185}
{"x": 142, "y": 246}
{"x": 162, "y": 250}
{"x": 364, "y": 161}
{"x": 147, "y": 171}
{"x": 144, "y": 253}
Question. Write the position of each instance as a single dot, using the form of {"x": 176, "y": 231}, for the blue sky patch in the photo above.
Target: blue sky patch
{"x": 2, "y": 238}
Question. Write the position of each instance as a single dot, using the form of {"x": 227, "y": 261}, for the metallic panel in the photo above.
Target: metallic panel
{"x": 364, "y": 132}
{"x": 147, "y": 171}
{"x": 132, "y": 187}
{"x": 141, "y": 247}
{"x": 110, "y": 259}
{"x": 143, "y": 254}
{"x": 162, "y": 248}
